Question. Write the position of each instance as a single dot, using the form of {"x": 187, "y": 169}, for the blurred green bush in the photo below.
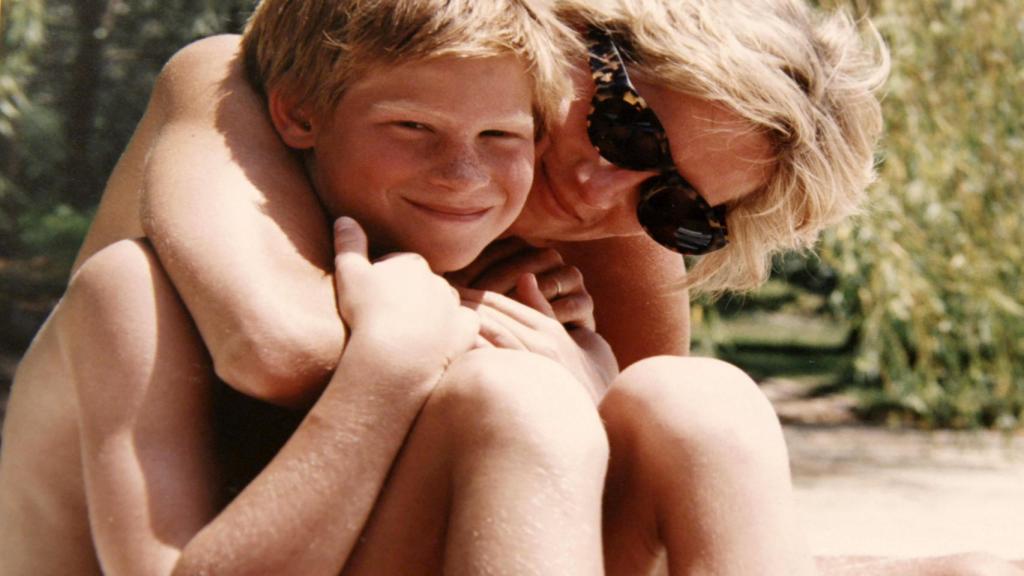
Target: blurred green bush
{"x": 930, "y": 277}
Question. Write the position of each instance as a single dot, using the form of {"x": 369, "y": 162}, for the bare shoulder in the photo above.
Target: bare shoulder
{"x": 200, "y": 73}
{"x": 206, "y": 57}
{"x": 188, "y": 93}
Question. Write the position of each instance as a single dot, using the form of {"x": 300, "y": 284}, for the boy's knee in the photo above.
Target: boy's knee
{"x": 521, "y": 401}
{"x": 700, "y": 402}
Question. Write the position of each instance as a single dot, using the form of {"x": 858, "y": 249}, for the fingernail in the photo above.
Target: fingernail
{"x": 343, "y": 222}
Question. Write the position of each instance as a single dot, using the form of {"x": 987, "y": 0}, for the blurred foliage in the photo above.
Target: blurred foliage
{"x": 74, "y": 79}
{"x": 931, "y": 278}
{"x": 21, "y": 32}
{"x": 55, "y": 232}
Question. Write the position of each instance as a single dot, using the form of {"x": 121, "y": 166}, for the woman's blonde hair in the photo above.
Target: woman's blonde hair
{"x": 807, "y": 80}
{"x": 317, "y": 48}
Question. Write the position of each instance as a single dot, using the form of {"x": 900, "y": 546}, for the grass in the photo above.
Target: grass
{"x": 780, "y": 331}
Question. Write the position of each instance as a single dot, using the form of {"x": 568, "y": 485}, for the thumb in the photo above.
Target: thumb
{"x": 350, "y": 244}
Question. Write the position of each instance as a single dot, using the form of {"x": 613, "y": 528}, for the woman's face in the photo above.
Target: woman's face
{"x": 578, "y": 195}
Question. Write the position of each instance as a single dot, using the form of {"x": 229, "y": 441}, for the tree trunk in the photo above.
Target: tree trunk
{"x": 84, "y": 183}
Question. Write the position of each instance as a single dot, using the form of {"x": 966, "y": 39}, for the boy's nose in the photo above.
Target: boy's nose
{"x": 604, "y": 185}
{"x": 459, "y": 167}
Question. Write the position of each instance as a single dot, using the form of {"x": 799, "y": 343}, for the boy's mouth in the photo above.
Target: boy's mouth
{"x": 453, "y": 213}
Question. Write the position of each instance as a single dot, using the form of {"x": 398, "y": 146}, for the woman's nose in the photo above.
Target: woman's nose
{"x": 604, "y": 185}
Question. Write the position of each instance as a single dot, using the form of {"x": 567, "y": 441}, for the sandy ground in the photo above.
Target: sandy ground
{"x": 877, "y": 491}
{"x": 908, "y": 493}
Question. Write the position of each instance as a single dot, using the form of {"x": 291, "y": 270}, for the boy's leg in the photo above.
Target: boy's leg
{"x": 144, "y": 384}
{"x": 501, "y": 474}
{"x": 698, "y": 470}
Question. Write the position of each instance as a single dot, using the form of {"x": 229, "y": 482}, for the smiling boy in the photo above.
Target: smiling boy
{"x": 430, "y": 157}
{"x": 419, "y": 119}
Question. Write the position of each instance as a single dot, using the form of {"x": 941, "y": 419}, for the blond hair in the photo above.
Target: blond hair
{"x": 317, "y": 48}
{"x": 807, "y": 80}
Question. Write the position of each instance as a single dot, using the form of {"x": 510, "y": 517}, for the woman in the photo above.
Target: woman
{"x": 767, "y": 115}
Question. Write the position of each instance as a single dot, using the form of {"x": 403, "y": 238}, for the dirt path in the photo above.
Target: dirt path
{"x": 908, "y": 493}
{"x": 877, "y": 491}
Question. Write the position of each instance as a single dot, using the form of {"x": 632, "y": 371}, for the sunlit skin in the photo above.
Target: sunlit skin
{"x": 697, "y": 462}
{"x": 431, "y": 157}
{"x": 578, "y": 195}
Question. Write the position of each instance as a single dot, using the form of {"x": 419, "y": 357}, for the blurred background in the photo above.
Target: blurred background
{"x": 913, "y": 311}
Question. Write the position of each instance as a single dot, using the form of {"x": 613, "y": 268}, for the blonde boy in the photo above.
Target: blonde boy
{"x": 418, "y": 118}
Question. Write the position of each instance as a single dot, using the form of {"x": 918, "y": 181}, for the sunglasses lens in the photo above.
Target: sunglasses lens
{"x": 627, "y": 133}
{"x": 627, "y": 142}
{"x": 678, "y": 218}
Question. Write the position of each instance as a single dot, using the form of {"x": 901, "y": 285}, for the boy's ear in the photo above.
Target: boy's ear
{"x": 293, "y": 122}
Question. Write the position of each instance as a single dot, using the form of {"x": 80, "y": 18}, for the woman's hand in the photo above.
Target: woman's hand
{"x": 506, "y": 323}
{"x": 400, "y": 303}
{"x": 502, "y": 265}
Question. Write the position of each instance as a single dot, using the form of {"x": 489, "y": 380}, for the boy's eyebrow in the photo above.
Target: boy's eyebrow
{"x": 523, "y": 120}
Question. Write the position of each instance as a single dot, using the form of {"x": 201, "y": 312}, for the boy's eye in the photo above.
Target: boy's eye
{"x": 411, "y": 125}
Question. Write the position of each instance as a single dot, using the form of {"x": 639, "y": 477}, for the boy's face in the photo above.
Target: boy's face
{"x": 434, "y": 157}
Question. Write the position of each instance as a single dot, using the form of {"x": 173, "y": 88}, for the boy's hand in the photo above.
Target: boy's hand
{"x": 502, "y": 266}
{"x": 399, "y": 302}
{"x": 506, "y": 323}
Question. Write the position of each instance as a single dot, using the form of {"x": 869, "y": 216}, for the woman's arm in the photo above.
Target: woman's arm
{"x": 631, "y": 286}
{"x": 638, "y": 306}
{"x": 239, "y": 230}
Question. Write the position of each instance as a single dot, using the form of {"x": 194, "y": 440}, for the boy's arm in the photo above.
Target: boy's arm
{"x": 638, "y": 306}
{"x": 144, "y": 388}
{"x": 304, "y": 513}
{"x": 220, "y": 184}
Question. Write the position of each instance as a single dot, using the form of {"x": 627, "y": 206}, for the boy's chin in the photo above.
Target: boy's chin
{"x": 439, "y": 263}
{"x": 442, "y": 264}
{"x": 441, "y": 256}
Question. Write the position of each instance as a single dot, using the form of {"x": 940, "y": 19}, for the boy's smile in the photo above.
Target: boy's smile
{"x": 434, "y": 157}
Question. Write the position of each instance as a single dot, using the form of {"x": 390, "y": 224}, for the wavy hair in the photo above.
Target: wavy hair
{"x": 317, "y": 48}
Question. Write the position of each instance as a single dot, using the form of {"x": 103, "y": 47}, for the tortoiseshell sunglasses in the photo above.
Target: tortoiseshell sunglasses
{"x": 627, "y": 133}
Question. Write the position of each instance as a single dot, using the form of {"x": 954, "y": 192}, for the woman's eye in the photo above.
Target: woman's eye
{"x": 499, "y": 134}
